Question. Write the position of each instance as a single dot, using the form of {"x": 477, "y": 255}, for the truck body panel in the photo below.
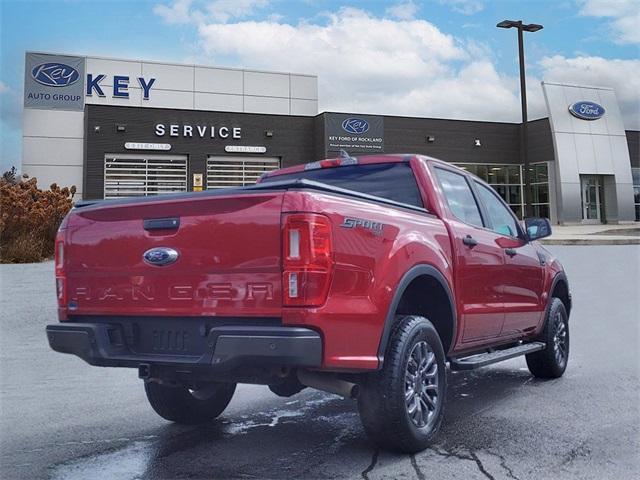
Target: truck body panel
{"x": 369, "y": 265}
{"x": 230, "y": 259}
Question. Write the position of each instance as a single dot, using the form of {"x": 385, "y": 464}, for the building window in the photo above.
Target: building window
{"x": 506, "y": 180}
{"x": 635, "y": 172}
{"x": 139, "y": 175}
{"x": 226, "y": 172}
{"x": 539, "y": 178}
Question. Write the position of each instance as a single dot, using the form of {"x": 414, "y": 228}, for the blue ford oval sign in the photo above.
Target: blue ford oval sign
{"x": 55, "y": 74}
{"x": 160, "y": 256}
{"x": 357, "y": 126}
{"x": 586, "y": 110}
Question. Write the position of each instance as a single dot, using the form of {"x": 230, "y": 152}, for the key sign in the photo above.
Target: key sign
{"x": 55, "y": 74}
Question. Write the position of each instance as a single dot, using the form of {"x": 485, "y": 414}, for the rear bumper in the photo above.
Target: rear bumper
{"x": 222, "y": 348}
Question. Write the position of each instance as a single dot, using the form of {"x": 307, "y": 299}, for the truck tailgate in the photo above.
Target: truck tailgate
{"x": 228, "y": 263}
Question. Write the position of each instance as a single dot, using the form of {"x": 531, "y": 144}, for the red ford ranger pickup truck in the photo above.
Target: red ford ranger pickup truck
{"x": 361, "y": 276}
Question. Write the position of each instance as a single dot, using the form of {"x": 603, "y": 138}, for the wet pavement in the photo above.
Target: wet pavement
{"x": 62, "y": 419}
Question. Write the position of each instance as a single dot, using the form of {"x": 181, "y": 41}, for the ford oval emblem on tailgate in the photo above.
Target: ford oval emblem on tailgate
{"x": 160, "y": 256}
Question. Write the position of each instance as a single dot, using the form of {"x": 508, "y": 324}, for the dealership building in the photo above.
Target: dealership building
{"x": 118, "y": 128}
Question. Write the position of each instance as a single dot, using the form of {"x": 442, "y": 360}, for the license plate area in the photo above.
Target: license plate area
{"x": 167, "y": 337}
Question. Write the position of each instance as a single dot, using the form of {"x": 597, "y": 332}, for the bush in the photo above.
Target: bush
{"x": 30, "y": 217}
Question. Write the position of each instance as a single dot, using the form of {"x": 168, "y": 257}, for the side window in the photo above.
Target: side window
{"x": 458, "y": 194}
{"x": 501, "y": 218}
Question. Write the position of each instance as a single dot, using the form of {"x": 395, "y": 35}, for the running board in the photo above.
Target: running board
{"x": 483, "y": 359}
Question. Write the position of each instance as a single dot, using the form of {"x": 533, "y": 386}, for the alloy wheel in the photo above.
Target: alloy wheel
{"x": 560, "y": 339}
{"x": 421, "y": 385}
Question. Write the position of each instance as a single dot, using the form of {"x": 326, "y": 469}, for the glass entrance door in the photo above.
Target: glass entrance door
{"x": 590, "y": 199}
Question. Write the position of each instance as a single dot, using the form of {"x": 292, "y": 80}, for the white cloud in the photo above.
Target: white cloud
{"x": 466, "y": 7}
{"x": 10, "y": 109}
{"x": 622, "y": 75}
{"x": 607, "y": 8}
{"x": 188, "y": 11}
{"x": 178, "y": 12}
{"x": 404, "y": 67}
{"x": 624, "y": 14}
{"x": 403, "y": 11}
{"x": 224, "y": 10}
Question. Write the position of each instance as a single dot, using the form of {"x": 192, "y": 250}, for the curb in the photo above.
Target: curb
{"x": 583, "y": 241}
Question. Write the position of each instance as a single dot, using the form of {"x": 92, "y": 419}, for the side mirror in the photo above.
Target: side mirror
{"x": 537, "y": 228}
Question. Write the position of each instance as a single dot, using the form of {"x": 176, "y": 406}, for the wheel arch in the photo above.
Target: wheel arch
{"x": 441, "y": 311}
{"x": 560, "y": 289}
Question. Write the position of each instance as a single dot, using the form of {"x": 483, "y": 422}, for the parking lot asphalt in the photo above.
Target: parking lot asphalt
{"x": 63, "y": 419}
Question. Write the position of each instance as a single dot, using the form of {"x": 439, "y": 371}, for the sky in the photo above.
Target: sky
{"x": 429, "y": 58}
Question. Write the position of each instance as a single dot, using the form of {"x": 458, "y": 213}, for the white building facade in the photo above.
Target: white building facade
{"x": 54, "y": 117}
{"x": 118, "y": 127}
{"x": 593, "y": 173}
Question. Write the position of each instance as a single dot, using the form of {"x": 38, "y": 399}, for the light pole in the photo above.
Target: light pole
{"x": 524, "y": 157}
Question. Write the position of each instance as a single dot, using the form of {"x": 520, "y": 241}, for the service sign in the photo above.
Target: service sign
{"x": 54, "y": 82}
{"x": 586, "y": 110}
{"x": 355, "y": 133}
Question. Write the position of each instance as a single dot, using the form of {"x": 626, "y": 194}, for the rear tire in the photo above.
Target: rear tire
{"x": 552, "y": 361}
{"x": 401, "y": 406}
{"x": 182, "y": 405}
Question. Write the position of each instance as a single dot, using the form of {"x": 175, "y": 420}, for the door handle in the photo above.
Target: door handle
{"x": 469, "y": 241}
{"x": 510, "y": 251}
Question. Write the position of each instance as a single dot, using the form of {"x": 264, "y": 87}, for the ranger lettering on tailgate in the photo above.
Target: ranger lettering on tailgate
{"x": 213, "y": 291}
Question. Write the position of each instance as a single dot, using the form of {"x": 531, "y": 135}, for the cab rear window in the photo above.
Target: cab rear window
{"x": 393, "y": 181}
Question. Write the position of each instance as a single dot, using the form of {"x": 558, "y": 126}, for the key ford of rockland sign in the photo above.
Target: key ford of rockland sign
{"x": 58, "y": 82}
{"x": 362, "y": 133}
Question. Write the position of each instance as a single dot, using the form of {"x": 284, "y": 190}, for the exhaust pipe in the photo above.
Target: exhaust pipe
{"x": 328, "y": 383}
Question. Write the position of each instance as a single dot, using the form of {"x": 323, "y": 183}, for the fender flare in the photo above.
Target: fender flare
{"x": 560, "y": 276}
{"x": 407, "y": 278}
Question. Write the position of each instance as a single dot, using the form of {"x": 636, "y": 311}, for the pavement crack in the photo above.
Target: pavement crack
{"x": 415, "y": 466}
{"x": 472, "y": 457}
{"x": 476, "y": 459}
{"x": 506, "y": 468}
{"x": 372, "y": 465}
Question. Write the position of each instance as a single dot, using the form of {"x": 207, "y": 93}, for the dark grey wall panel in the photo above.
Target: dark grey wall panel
{"x": 454, "y": 139}
{"x": 540, "y": 141}
{"x": 633, "y": 141}
{"x": 292, "y": 141}
{"x": 298, "y": 139}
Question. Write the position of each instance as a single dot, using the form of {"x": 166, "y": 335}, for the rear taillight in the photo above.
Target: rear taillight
{"x": 61, "y": 280}
{"x": 307, "y": 259}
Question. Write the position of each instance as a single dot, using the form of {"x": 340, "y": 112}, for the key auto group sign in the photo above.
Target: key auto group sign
{"x": 355, "y": 133}
{"x": 59, "y": 82}
{"x": 54, "y": 82}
